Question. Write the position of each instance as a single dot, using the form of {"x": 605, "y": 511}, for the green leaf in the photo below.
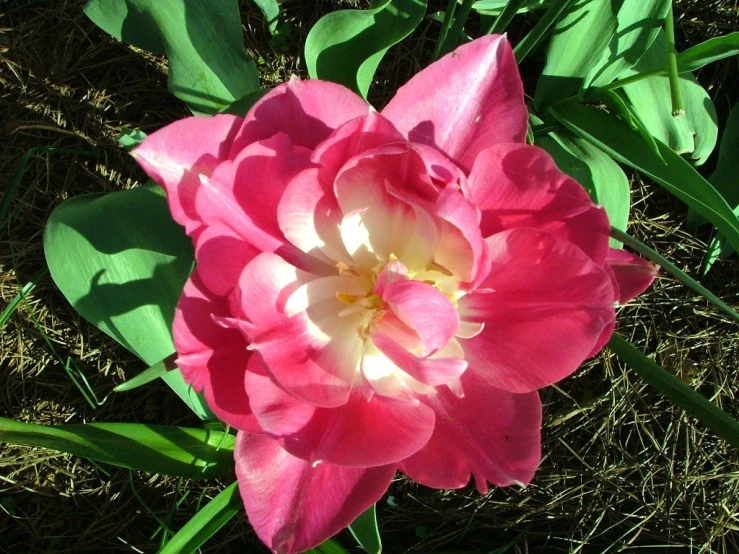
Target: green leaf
{"x": 147, "y": 376}
{"x": 122, "y": 262}
{"x": 604, "y": 180}
{"x": 206, "y": 523}
{"x": 165, "y": 449}
{"x": 710, "y": 51}
{"x": 130, "y": 138}
{"x": 328, "y": 547}
{"x": 580, "y": 38}
{"x": 534, "y": 36}
{"x": 365, "y": 531}
{"x": 452, "y": 38}
{"x": 346, "y": 46}
{"x": 639, "y": 21}
{"x": 242, "y": 106}
{"x": 496, "y": 7}
{"x": 696, "y": 132}
{"x": 678, "y": 393}
{"x": 505, "y": 16}
{"x": 616, "y": 139}
{"x": 613, "y": 100}
{"x": 202, "y": 39}
{"x": 271, "y": 11}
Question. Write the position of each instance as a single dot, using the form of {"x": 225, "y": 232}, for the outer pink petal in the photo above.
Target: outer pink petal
{"x": 467, "y": 101}
{"x": 293, "y": 505}
{"x": 222, "y": 255}
{"x": 548, "y": 306}
{"x": 517, "y": 185}
{"x": 362, "y": 433}
{"x": 306, "y": 111}
{"x": 633, "y": 274}
{"x": 212, "y": 358}
{"x": 426, "y": 310}
{"x": 489, "y": 433}
{"x": 178, "y": 154}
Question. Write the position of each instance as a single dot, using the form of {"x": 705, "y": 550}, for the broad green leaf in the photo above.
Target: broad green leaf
{"x": 165, "y": 449}
{"x": 365, "y": 531}
{"x": 122, "y": 262}
{"x": 580, "y": 38}
{"x": 346, "y": 46}
{"x": 202, "y": 39}
{"x": 242, "y": 106}
{"x": 710, "y": 51}
{"x": 614, "y": 100}
{"x": 638, "y": 24}
{"x": 495, "y": 7}
{"x": 271, "y": 11}
{"x": 604, "y": 180}
{"x": 616, "y": 139}
{"x": 696, "y": 132}
{"x": 130, "y": 138}
{"x": 534, "y": 36}
{"x": 678, "y": 393}
{"x": 206, "y": 523}
{"x": 724, "y": 178}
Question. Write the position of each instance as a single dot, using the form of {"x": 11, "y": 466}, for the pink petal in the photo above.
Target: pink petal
{"x": 361, "y": 433}
{"x": 176, "y": 156}
{"x": 353, "y": 138}
{"x": 633, "y": 274}
{"x": 296, "y": 351}
{"x": 293, "y": 505}
{"x": 517, "y": 185}
{"x": 489, "y": 433}
{"x": 467, "y": 101}
{"x": 306, "y": 111}
{"x": 429, "y": 371}
{"x": 426, "y": 310}
{"x": 212, "y": 358}
{"x": 545, "y": 308}
{"x": 221, "y": 255}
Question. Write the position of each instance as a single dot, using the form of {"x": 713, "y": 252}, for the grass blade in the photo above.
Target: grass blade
{"x": 451, "y": 41}
{"x": 148, "y": 375}
{"x": 673, "y": 270}
{"x": 505, "y": 17}
{"x": 532, "y": 39}
{"x": 680, "y": 394}
{"x": 214, "y": 515}
{"x": 165, "y": 449}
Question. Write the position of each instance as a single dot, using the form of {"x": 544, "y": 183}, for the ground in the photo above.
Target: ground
{"x": 622, "y": 467}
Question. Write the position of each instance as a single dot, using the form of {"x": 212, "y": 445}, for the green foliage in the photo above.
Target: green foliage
{"x": 710, "y": 51}
{"x": 604, "y": 180}
{"x": 165, "y": 449}
{"x": 625, "y": 145}
{"x": 122, "y": 262}
{"x": 365, "y": 531}
{"x": 206, "y": 523}
{"x": 346, "y": 46}
{"x": 271, "y": 11}
{"x": 202, "y": 39}
{"x": 679, "y": 394}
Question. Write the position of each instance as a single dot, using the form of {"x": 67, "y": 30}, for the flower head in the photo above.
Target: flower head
{"x": 383, "y": 291}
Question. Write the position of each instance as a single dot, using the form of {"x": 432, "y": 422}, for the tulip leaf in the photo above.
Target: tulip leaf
{"x": 678, "y": 393}
{"x": 365, "y": 531}
{"x": 496, "y": 7}
{"x": 534, "y": 36}
{"x": 604, "y": 180}
{"x": 639, "y": 22}
{"x": 346, "y": 46}
{"x": 696, "y": 132}
{"x": 202, "y": 39}
{"x": 122, "y": 262}
{"x": 328, "y": 547}
{"x": 165, "y": 449}
{"x": 580, "y": 37}
{"x": 625, "y": 145}
{"x": 145, "y": 377}
{"x": 710, "y": 51}
{"x": 206, "y": 523}
{"x": 271, "y": 11}
{"x": 724, "y": 178}
{"x": 614, "y": 100}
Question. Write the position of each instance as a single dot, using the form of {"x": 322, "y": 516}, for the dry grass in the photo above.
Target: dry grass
{"x": 624, "y": 471}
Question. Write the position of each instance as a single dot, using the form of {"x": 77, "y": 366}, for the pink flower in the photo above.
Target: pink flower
{"x": 383, "y": 291}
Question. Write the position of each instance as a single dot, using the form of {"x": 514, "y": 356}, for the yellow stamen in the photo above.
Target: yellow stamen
{"x": 434, "y": 265}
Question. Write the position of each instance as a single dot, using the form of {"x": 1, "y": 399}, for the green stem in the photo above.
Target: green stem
{"x": 448, "y": 16}
{"x": 672, "y": 269}
{"x": 676, "y": 95}
{"x": 505, "y": 17}
{"x": 531, "y": 40}
{"x": 455, "y": 33}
